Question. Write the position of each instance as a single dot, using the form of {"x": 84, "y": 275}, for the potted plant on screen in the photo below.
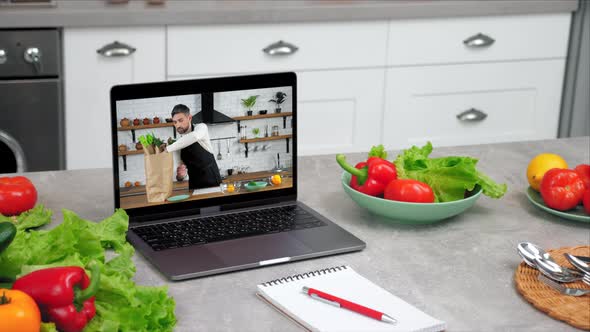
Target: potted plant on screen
{"x": 279, "y": 99}
{"x": 249, "y": 103}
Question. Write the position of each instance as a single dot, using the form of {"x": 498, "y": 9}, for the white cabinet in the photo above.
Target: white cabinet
{"x": 503, "y": 102}
{"x": 238, "y": 49}
{"x": 506, "y": 87}
{"x": 340, "y": 72}
{"x": 394, "y": 82}
{"x": 89, "y": 77}
{"x": 339, "y": 111}
{"x": 425, "y": 74}
{"x": 435, "y": 41}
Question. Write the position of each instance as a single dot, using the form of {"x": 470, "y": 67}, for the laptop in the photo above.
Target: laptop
{"x": 230, "y": 166}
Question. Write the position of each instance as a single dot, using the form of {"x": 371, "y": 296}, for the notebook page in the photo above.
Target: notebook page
{"x": 349, "y": 285}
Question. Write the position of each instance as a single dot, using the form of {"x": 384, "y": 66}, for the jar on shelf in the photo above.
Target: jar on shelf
{"x": 125, "y": 122}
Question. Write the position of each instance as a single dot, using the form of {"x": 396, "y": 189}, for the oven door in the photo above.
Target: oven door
{"x": 32, "y": 124}
{"x": 11, "y": 154}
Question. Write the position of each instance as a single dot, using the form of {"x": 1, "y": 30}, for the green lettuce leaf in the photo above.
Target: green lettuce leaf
{"x": 35, "y": 217}
{"x": 48, "y": 327}
{"x": 121, "y": 305}
{"x": 378, "y": 151}
{"x": 449, "y": 177}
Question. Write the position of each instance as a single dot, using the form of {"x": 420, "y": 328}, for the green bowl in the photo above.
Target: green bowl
{"x": 576, "y": 214}
{"x": 178, "y": 198}
{"x": 409, "y": 213}
{"x": 256, "y": 185}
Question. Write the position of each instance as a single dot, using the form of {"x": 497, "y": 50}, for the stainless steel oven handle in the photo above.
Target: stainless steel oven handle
{"x": 21, "y": 163}
{"x": 3, "y": 56}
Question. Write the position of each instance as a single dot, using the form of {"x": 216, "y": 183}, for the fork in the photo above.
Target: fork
{"x": 561, "y": 288}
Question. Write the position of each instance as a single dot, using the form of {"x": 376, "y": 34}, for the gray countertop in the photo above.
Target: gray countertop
{"x": 460, "y": 270}
{"x": 93, "y": 13}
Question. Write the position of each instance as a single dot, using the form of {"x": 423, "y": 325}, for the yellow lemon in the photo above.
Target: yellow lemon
{"x": 276, "y": 179}
{"x": 231, "y": 188}
{"x": 539, "y": 165}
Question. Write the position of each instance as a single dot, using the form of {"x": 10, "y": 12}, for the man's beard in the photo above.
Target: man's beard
{"x": 181, "y": 130}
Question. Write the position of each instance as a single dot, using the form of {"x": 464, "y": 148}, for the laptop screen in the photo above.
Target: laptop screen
{"x": 216, "y": 144}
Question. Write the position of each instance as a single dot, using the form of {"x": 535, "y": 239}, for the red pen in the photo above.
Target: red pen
{"x": 342, "y": 303}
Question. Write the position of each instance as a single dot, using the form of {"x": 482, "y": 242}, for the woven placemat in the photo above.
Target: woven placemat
{"x": 570, "y": 309}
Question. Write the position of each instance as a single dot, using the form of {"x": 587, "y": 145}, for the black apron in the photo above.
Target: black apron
{"x": 202, "y": 168}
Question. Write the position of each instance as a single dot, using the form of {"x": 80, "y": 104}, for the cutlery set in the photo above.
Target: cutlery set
{"x": 553, "y": 274}
{"x": 561, "y": 288}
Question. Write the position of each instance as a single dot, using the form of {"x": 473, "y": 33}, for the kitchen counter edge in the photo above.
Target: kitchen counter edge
{"x": 99, "y": 13}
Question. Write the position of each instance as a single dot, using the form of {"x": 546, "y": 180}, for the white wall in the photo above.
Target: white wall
{"x": 228, "y": 103}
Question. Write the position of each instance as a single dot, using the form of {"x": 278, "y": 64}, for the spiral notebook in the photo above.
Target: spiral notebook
{"x": 286, "y": 295}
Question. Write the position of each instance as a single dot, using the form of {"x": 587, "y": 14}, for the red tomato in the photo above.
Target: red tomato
{"x": 17, "y": 194}
{"x": 583, "y": 171}
{"x": 562, "y": 189}
{"x": 407, "y": 190}
{"x": 586, "y": 200}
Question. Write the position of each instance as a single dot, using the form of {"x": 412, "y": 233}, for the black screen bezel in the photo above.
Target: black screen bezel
{"x": 197, "y": 86}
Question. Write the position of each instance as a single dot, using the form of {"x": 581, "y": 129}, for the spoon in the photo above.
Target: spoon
{"x": 529, "y": 252}
{"x": 578, "y": 263}
{"x": 585, "y": 259}
{"x": 557, "y": 272}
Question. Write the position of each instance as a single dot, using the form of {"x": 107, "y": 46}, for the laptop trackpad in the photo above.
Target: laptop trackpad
{"x": 258, "y": 248}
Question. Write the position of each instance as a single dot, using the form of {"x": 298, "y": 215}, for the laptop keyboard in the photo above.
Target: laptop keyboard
{"x": 224, "y": 227}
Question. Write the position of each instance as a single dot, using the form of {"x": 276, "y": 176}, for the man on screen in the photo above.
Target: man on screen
{"x": 196, "y": 151}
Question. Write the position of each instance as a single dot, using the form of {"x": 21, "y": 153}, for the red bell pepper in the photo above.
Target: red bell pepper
{"x": 370, "y": 177}
{"x": 583, "y": 171}
{"x": 586, "y": 201}
{"x": 65, "y": 295}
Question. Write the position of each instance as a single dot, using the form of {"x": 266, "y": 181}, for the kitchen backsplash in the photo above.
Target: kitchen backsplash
{"x": 228, "y": 103}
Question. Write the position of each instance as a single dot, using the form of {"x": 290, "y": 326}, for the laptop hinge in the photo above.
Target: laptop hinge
{"x": 134, "y": 220}
{"x": 210, "y": 210}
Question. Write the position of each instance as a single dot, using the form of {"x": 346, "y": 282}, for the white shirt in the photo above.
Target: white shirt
{"x": 200, "y": 134}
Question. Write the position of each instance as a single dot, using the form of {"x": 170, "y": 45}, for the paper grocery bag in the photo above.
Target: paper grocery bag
{"x": 159, "y": 169}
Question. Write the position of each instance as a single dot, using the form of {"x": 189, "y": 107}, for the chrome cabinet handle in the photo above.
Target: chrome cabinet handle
{"x": 280, "y": 48}
{"x": 116, "y": 49}
{"x": 472, "y": 115}
{"x": 3, "y": 56}
{"x": 479, "y": 40}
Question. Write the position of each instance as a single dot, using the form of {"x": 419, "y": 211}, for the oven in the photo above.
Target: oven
{"x": 32, "y": 133}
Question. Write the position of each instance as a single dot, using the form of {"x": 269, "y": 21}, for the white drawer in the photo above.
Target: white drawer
{"x": 339, "y": 110}
{"x": 436, "y": 41}
{"x": 521, "y": 101}
{"x": 206, "y": 50}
